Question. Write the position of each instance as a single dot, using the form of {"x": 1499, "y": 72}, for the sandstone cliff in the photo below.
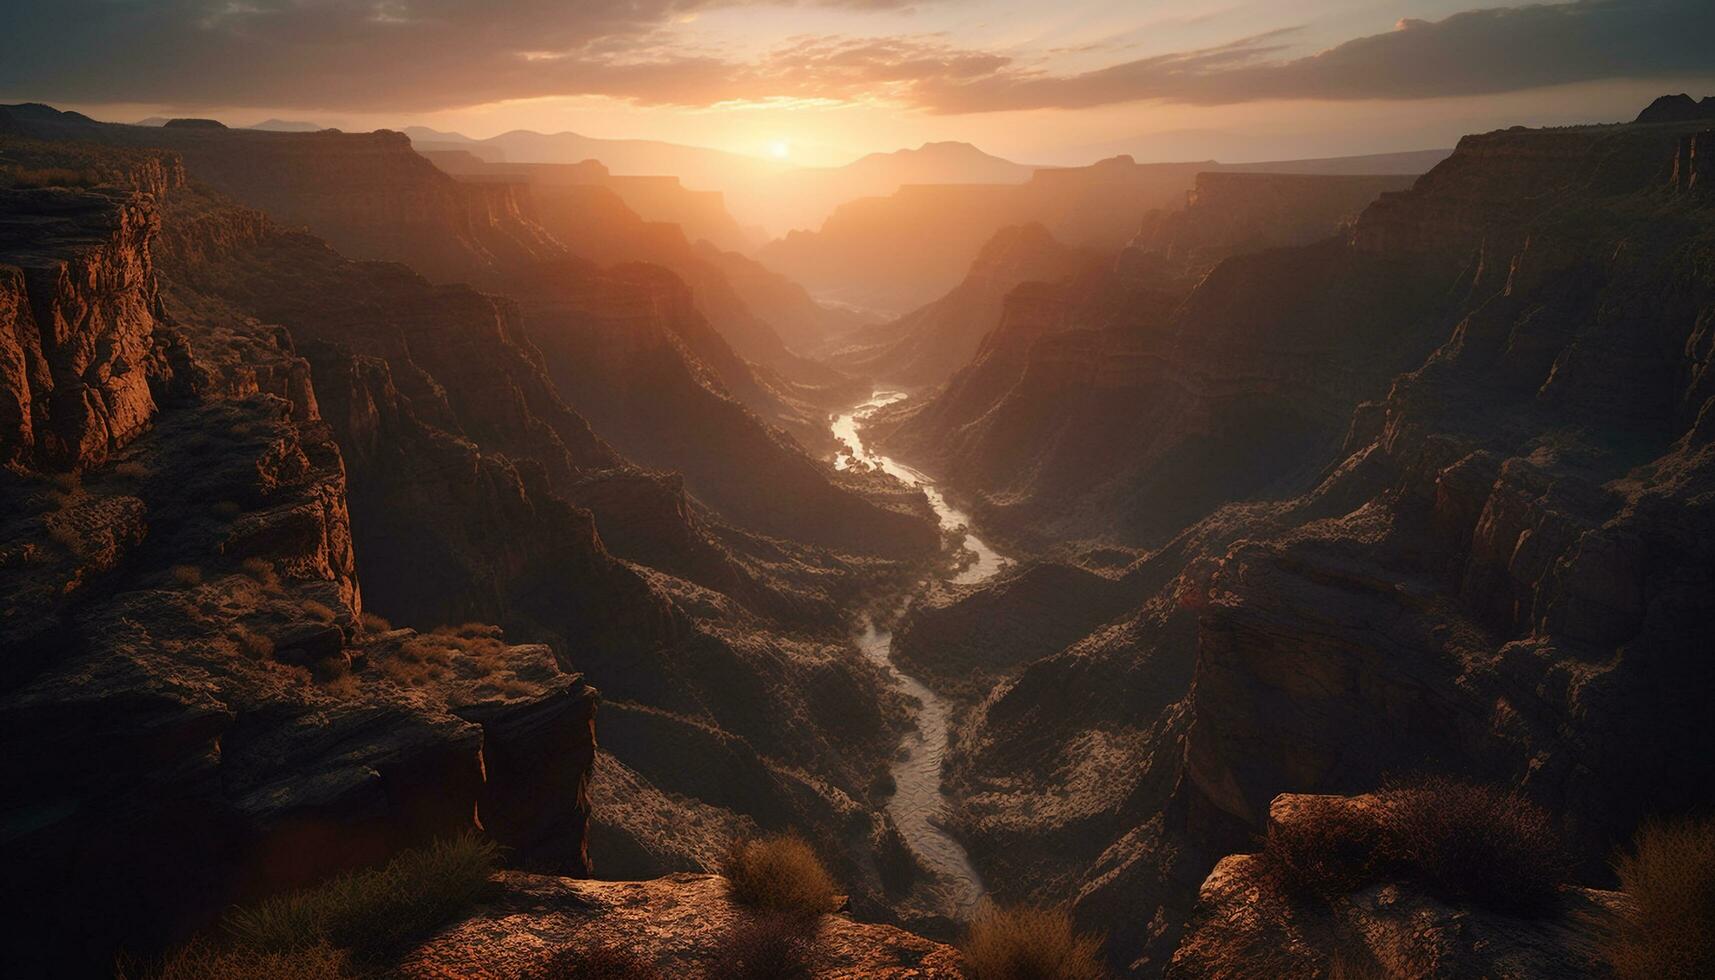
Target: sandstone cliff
{"x": 1489, "y": 560}
{"x": 310, "y": 422}
{"x": 192, "y": 701}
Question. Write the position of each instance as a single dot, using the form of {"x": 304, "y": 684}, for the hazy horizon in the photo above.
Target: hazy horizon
{"x": 824, "y": 82}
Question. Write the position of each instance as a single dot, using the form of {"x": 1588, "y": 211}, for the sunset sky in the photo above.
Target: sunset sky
{"x": 826, "y": 80}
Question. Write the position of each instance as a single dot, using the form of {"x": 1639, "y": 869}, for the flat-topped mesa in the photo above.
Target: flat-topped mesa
{"x": 1494, "y": 183}
{"x": 369, "y": 194}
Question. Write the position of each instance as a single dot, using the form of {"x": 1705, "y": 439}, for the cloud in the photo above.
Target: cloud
{"x": 422, "y": 55}
{"x": 361, "y": 55}
{"x": 1478, "y": 52}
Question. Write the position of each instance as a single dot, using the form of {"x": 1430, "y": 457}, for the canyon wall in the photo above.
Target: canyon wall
{"x": 193, "y": 700}
{"x": 1473, "y": 441}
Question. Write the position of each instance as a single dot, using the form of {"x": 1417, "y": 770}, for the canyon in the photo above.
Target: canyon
{"x": 1049, "y": 538}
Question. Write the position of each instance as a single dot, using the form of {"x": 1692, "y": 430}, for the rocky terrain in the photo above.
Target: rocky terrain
{"x": 1246, "y": 925}
{"x": 234, "y": 455}
{"x": 1472, "y": 435}
{"x": 332, "y": 489}
{"x": 677, "y": 923}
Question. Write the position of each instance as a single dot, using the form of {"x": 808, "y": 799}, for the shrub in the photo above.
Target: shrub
{"x": 371, "y": 912}
{"x": 1332, "y": 853}
{"x": 375, "y": 624}
{"x": 597, "y": 962}
{"x": 254, "y": 645}
{"x": 203, "y": 961}
{"x": 1472, "y": 843}
{"x": 779, "y": 874}
{"x": 25, "y": 178}
{"x": 1670, "y": 877}
{"x": 263, "y": 572}
{"x": 319, "y": 611}
{"x": 1463, "y": 842}
{"x": 185, "y": 574}
{"x": 1027, "y": 943}
{"x": 775, "y": 946}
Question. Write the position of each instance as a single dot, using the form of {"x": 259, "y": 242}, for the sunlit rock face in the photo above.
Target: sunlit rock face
{"x": 192, "y": 700}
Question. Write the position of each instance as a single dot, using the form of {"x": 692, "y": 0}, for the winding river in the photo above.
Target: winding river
{"x": 919, "y": 802}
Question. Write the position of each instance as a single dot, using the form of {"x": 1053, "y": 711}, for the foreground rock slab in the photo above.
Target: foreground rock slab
{"x": 677, "y": 922}
{"x": 1247, "y": 926}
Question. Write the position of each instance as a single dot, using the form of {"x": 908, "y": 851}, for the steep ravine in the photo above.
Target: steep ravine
{"x": 919, "y": 803}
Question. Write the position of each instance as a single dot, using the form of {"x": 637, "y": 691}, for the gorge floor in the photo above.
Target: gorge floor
{"x": 919, "y": 803}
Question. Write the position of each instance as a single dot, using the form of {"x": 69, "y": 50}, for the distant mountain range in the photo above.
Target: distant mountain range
{"x": 270, "y": 125}
{"x": 768, "y": 193}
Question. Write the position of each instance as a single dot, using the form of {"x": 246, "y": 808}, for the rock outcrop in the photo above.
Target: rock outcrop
{"x": 1247, "y": 925}
{"x": 678, "y": 924}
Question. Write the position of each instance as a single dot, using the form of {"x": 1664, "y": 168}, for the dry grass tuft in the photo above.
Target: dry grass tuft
{"x": 776, "y": 946}
{"x": 779, "y": 874}
{"x": 597, "y": 962}
{"x": 254, "y": 645}
{"x": 1030, "y": 944}
{"x": 375, "y": 624}
{"x": 263, "y": 572}
{"x": 24, "y": 178}
{"x": 429, "y": 658}
{"x": 186, "y": 575}
{"x": 202, "y": 961}
{"x": 319, "y": 611}
{"x": 372, "y": 912}
{"x": 1670, "y": 877}
{"x": 341, "y": 929}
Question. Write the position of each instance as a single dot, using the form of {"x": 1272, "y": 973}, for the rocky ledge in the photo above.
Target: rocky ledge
{"x": 1247, "y": 926}
{"x": 678, "y": 923}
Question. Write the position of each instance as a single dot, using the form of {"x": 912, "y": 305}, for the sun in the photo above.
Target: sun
{"x": 779, "y": 149}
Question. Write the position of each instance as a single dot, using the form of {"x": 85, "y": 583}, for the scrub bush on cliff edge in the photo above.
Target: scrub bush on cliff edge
{"x": 779, "y": 874}
{"x": 1669, "y": 875}
{"x": 1026, "y": 943}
